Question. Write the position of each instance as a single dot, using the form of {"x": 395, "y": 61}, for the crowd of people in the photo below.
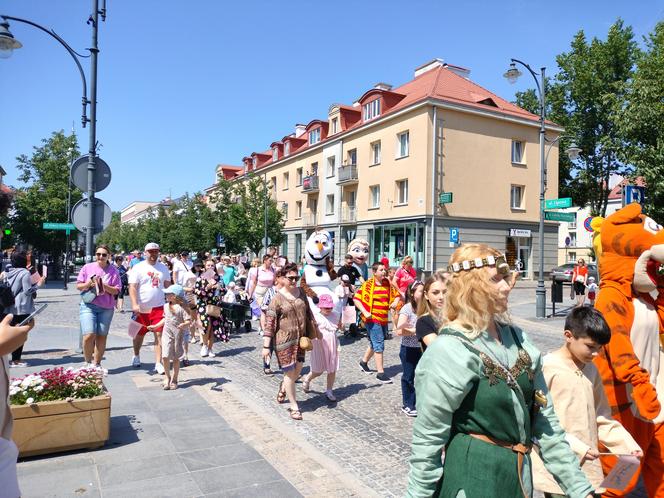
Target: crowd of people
{"x": 480, "y": 391}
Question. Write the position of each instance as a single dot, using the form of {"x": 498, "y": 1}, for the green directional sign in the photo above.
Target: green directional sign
{"x": 445, "y": 198}
{"x": 563, "y": 202}
{"x": 556, "y": 216}
{"x": 59, "y": 226}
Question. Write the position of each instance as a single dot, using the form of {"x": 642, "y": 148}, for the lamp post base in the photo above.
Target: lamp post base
{"x": 540, "y": 301}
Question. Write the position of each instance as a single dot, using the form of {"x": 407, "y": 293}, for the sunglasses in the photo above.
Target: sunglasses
{"x": 102, "y": 254}
{"x": 293, "y": 278}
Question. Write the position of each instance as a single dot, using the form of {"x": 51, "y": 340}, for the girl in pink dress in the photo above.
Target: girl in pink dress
{"x": 325, "y": 355}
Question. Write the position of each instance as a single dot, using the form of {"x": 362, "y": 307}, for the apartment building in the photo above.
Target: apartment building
{"x": 416, "y": 170}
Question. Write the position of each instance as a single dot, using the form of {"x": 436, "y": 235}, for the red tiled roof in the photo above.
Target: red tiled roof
{"x": 438, "y": 83}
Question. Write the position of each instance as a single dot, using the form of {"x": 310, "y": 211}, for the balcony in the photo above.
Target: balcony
{"x": 310, "y": 184}
{"x": 347, "y": 174}
{"x": 349, "y": 214}
{"x": 310, "y": 219}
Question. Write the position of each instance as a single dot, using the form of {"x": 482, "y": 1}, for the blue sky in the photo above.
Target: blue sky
{"x": 184, "y": 86}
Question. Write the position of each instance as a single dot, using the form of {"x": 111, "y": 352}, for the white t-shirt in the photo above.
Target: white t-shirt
{"x": 150, "y": 280}
{"x": 180, "y": 271}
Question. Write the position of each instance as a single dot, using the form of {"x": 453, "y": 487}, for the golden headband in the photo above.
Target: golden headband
{"x": 498, "y": 261}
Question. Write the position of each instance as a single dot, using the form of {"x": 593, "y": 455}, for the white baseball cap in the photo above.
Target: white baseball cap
{"x": 151, "y": 246}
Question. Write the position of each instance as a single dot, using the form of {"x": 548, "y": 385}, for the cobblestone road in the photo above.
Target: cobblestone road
{"x": 363, "y": 438}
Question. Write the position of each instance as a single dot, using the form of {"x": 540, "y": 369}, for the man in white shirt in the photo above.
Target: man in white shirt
{"x": 147, "y": 281}
{"x": 180, "y": 268}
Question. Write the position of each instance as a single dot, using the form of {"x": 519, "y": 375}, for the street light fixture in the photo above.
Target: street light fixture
{"x": 8, "y": 44}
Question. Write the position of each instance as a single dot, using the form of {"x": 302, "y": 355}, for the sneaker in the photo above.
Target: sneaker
{"x": 193, "y": 340}
{"x": 159, "y": 368}
{"x": 365, "y": 368}
{"x": 97, "y": 366}
{"x": 211, "y": 354}
{"x": 185, "y": 362}
{"x": 17, "y": 364}
{"x": 411, "y": 412}
{"x": 136, "y": 361}
{"x": 204, "y": 351}
{"x": 381, "y": 377}
{"x": 330, "y": 396}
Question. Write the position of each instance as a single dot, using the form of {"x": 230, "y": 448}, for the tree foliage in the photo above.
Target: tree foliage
{"x": 585, "y": 97}
{"x": 235, "y": 212}
{"x": 642, "y": 121}
{"x": 43, "y": 195}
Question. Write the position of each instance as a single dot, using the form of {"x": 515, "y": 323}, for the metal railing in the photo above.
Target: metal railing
{"x": 349, "y": 213}
{"x": 310, "y": 183}
{"x": 310, "y": 219}
{"x": 347, "y": 174}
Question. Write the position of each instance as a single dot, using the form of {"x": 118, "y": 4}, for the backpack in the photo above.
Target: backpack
{"x": 6, "y": 295}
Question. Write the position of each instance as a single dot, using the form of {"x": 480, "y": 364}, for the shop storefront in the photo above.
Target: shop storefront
{"x": 518, "y": 251}
{"x": 398, "y": 240}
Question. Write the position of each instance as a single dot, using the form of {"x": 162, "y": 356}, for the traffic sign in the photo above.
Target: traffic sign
{"x": 634, "y": 193}
{"x": 445, "y": 198}
{"x": 563, "y": 202}
{"x": 556, "y": 216}
{"x": 587, "y": 222}
{"x": 80, "y": 215}
{"x": 58, "y": 226}
{"x": 454, "y": 235}
{"x": 79, "y": 173}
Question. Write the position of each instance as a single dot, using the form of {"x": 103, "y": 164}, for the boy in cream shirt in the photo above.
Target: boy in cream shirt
{"x": 579, "y": 401}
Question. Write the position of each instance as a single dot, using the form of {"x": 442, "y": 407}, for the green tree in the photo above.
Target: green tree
{"x": 585, "y": 97}
{"x": 43, "y": 197}
{"x": 642, "y": 121}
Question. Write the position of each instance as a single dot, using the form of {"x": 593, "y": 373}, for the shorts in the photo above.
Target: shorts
{"x": 591, "y": 295}
{"x": 579, "y": 288}
{"x": 377, "y": 336}
{"x": 155, "y": 316}
{"x": 95, "y": 319}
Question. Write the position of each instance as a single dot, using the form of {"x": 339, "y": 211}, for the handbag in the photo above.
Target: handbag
{"x": 88, "y": 296}
{"x": 212, "y": 310}
{"x": 305, "y": 343}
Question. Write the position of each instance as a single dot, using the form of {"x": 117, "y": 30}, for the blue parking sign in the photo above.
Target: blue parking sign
{"x": 635, "y": 193}
{"x": 454, "y": 235}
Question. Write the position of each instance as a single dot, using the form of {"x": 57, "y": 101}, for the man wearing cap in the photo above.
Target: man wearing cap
{"x": 147, "y": 281}
{"x": 349, "y": 269}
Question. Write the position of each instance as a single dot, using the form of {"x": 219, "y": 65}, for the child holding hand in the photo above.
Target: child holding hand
{"x": 176, "y": 320}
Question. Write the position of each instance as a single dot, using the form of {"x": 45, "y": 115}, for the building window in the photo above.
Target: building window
{"x": 284, "y": 209}
{"x": 402, "y": 192}
{"x": 314, "y": 169}
{"x": 572, "y": 238}
{"x": 375, "y": 153}
{"x": 286, "y": 148}
{"x": 285, "y": 179}
{"x": 335, "y": 125}
{"x": 329, "y": 204}
{"x": 571, "y": 257}
{"x": 352, "y": 156}
{"x": 298, "y": 209}
{"x": 275, "y": 155}
{"x": 331, "y": 162}
{"x": 298, "y": 176}
{"x": 374, "y": 196}
{"x": 516, "y": 197}
{"x": 314, "y": 136}
{"x": 254, "y": 162}
{"x": 273, "y": 182}
{"x": 372, "y": 109}
{"x": 403, "y": 144}
{"x": 518, "y": 149}
{"x": 572, "y": 225}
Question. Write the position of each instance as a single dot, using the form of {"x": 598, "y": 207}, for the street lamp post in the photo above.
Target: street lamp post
{"x": 8, "y": 43}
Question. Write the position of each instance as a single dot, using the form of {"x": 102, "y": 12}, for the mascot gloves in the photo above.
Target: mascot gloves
{"x": 645, "y": 397}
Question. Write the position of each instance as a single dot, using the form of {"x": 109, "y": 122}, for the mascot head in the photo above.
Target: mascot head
{"x": 318, "y": 247}
{"x": 632, "y": 250}
{"x": 359, "y": 249}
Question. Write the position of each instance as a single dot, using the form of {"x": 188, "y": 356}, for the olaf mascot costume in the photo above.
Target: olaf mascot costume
{"x": 319, "y": 271}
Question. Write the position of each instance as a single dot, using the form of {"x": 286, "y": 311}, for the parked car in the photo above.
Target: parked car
{"x": 563, "y": 273}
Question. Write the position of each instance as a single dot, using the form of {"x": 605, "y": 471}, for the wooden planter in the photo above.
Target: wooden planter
{"x": 52, "y": 426}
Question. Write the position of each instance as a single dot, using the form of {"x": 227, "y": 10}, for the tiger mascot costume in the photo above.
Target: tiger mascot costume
{"x": 630, "y": 251}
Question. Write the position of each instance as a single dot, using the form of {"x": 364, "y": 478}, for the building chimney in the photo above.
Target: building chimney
{"x": 432, "y": 64}
{"x": 458, "y": 70}
{"x": 383, "y": 86}
{"x": 299, "y": 130}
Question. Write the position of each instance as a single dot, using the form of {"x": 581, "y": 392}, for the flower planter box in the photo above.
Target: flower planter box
{"x": 53, "y": 426}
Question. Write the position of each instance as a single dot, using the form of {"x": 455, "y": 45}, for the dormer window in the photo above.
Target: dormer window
{"x": 314, "y": 136}
{"x": 372, "y": 109}
{"x": 275, "y": 154}
{"x": 254, "y": 162}
{"x": 286, "y": 148}
{"x": 335, "y": 125}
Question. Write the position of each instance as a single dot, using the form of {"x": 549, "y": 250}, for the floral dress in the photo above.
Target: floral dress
{"x": 205, "y": 297}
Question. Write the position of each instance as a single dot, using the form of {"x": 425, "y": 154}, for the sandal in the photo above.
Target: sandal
{"x": 174, "y": 385}
{"x": 295, "y": 414}
{"x": 166, "y": 386}
{"x": 281, "y": 395}
{"x": 306, "y": 383}
{"x": 267, "y": 371}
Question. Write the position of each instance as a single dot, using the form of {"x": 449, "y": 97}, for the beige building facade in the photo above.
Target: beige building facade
{"x": 377, "y": 169}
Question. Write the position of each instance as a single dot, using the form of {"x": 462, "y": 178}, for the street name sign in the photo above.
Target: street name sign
{"x": 563, "y": 202}
{"x": 445, "y": 198}
{"x": 58, "y": 226}
{"x": 556, "y": 216}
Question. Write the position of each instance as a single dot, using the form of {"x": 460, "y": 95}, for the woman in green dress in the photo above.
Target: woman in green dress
{"x": 481, "y": 396}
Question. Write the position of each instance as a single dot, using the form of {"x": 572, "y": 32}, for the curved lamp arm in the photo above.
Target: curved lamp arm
{"x": 533, "y": 73}
{"x": 74, "y": 55}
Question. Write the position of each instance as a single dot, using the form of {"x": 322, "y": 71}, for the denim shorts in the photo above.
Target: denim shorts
{"x": 95, "y": 319}
{"x": 377, "y": 336}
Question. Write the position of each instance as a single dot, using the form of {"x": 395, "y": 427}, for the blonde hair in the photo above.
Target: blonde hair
{"x": 255, "y": 262}
{"x": 424, "y": 308}
{"x": 471, "y": 301}
{"x": 407, "y": 260}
